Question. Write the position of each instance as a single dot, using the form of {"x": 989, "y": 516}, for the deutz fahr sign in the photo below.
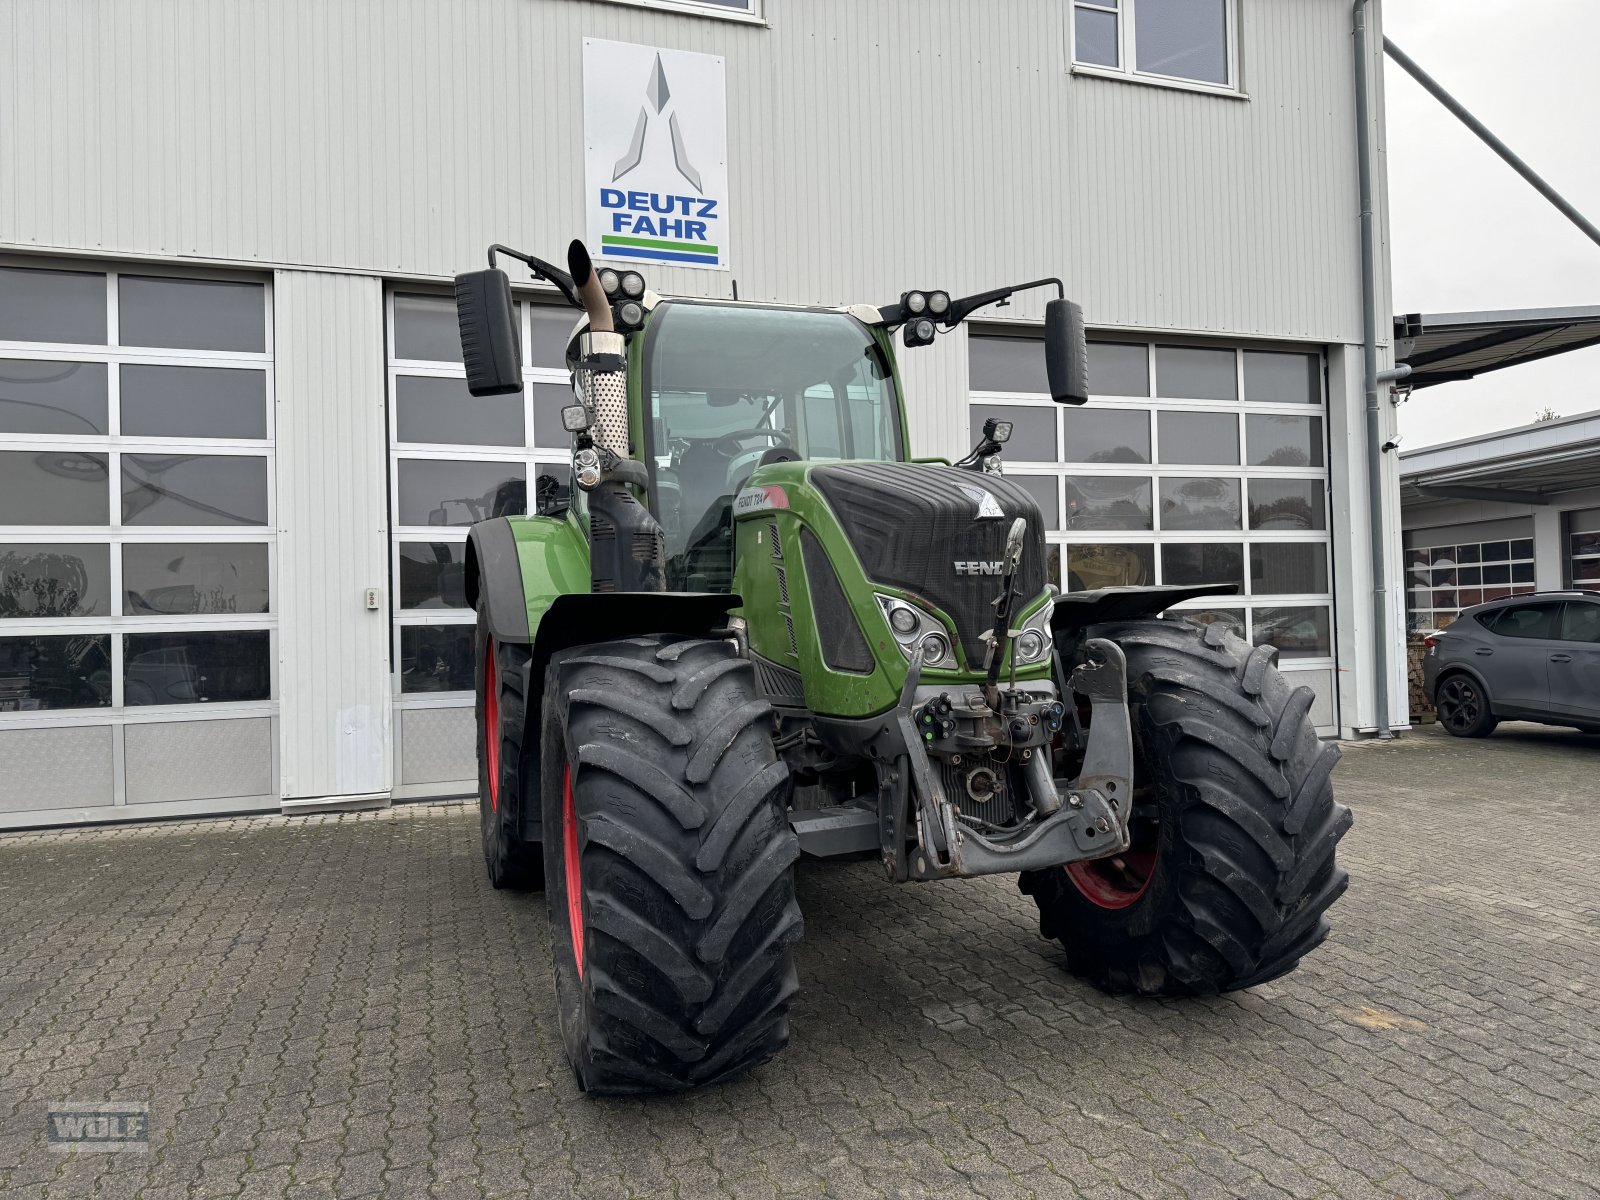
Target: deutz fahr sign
{"x": 655, "y": 129}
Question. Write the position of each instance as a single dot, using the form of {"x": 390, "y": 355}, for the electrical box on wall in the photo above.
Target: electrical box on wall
{"x": 372, "y": 599}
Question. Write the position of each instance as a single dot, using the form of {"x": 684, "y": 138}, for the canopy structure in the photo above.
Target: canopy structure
{"x": 1522, "y": 466}
{"x": 1442, "y": 347}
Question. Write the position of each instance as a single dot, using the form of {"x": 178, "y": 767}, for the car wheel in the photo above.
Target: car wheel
{"x": 1463, "y": 707}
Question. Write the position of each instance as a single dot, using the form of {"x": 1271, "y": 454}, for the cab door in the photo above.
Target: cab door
{"x": 1517, "y": 663}
{"x": 1574, "y": 670}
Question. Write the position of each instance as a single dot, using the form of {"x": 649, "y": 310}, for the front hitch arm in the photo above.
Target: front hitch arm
{"x": 1091, "y": 823}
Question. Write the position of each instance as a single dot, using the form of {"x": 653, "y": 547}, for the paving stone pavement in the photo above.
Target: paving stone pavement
{"x": 340, "y": 1006}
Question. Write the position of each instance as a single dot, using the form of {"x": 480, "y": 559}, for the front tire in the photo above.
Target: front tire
{"x": 670, "y": 864}
{"x": 1234, "y": 826}
{"x": 507, "y": 764}
{"x": 1463, "y": 707}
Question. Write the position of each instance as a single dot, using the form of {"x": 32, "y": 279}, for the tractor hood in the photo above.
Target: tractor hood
{"x": 936, "y": 532}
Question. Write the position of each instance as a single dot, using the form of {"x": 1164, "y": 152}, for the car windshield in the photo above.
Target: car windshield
{"x": 727, "y": 384}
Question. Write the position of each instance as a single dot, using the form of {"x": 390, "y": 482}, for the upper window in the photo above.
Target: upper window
{"x": 1188, "y": 40}
{"x": 746, "y": 9}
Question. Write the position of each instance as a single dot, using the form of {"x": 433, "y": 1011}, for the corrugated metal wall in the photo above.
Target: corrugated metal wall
{"x": 332, "y": 534}
{"x": 872, "y": 145}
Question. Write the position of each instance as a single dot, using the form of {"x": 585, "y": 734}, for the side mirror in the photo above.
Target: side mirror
{"x": 489, "y": 344}
{"x": 1066, "y": 352}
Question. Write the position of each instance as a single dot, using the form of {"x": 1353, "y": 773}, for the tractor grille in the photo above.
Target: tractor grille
{"x": 843, "y": 646}
{"x": 779, "y": 684}
{"x": 910, "y": 524}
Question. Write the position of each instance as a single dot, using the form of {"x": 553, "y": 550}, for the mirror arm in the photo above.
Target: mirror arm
{"x": 961, "y": 309}
{"x": 541, "y": 270}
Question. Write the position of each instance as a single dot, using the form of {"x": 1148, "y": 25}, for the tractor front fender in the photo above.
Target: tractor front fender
{"x": 577, "y": 619}
{"x": 1076, "y": 611}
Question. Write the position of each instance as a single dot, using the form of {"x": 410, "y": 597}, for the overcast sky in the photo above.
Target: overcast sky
{"x": 1468, "y": 232}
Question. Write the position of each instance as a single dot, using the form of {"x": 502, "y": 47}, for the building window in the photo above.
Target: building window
{"x": 1583, "y": 549}
{"x": 1443, "y": 580}
{"x": 136, "y": 466}
{"x": 1188, "y": 41}
{"x": 1190, "y": 464}
{"x": 737, "y": 9}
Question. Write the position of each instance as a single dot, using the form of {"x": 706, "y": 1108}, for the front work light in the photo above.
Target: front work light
{"x": 610, "y": 281}
{"x": 919, "y": 332}
{"x": 916, "y": 303}
{"x": 630, "y": 316}
{"x": 575, "y": 418}
{"x": 938, "y": 303}
{"x": 997, "y": 431}
{"x": 632, "y": 284}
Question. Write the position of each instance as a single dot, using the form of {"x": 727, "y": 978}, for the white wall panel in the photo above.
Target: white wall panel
{"x": 170, "y": 761}
{"x": 332, "y": 534}
{"x": 873, "y": 145}
{"x": 55, "y": 768}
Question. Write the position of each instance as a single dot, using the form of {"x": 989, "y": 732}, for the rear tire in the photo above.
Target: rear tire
{"x": 1232, "y": 864}
{"x": 670, "y": 864}
{"x": 1464, "y": 708}
{"x": 507, "y": 763}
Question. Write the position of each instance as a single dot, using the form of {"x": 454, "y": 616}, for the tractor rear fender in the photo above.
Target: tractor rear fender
{"x": 1076, "y": 611}
{"x": 518, "y": 565}
{"x": 532, "y": 577}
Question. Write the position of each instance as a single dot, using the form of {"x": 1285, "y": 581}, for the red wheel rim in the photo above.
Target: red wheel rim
{"x": 574, "y": 880}
{"x": 491, "y": 726}
{"x": 1114, "y": 882}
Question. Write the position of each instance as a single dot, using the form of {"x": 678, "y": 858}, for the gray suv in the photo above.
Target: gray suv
{"x": 1534, "y": 658}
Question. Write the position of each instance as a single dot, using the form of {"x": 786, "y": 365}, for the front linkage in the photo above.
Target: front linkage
{"x": 926, "y": 739}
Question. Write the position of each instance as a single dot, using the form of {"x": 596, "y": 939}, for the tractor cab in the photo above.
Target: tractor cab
{"x": 727, "y": 388}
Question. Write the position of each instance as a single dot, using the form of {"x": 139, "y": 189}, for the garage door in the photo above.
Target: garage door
{"x": 456, "y": 459}
{"x": 1192, "y": 463}
{"x": 136, "y": 554}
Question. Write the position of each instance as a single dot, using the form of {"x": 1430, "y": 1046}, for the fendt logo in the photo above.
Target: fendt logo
{"x": 980, "y": 567}
{"x": 656, "y": 171}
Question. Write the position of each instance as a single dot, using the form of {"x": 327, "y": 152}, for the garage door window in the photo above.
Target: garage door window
{"x": 1443, "y": 580}
{"x": 1583, "y": 549}
{"x": 1191, "y": 464}
{"x": 135, "y": 486}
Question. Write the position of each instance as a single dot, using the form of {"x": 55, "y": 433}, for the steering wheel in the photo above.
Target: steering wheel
{"x": 730, "y": 444}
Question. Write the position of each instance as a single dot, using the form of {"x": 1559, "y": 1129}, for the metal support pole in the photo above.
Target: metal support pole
{"x": 1369, "y": 377}
{"x": 1504, "y": 151}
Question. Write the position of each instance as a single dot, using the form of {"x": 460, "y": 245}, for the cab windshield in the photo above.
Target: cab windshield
{"x": 729, "y": 386}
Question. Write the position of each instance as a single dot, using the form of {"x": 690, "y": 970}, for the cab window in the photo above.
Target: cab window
{"x": 728, "y": 386}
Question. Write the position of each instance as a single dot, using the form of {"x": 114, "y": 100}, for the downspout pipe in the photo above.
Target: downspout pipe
{"x": 1369, "y": 375}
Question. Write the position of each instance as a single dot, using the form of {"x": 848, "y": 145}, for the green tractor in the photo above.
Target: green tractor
{"x": 760, "y": 629}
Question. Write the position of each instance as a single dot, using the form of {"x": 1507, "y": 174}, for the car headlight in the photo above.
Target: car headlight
{"x": 1033, "y": 642}
{"x": 913, "y": 627}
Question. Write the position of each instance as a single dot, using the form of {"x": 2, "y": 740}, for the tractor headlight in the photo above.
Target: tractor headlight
{"x": 913, "y": 627}
{"x": 916, "y": 303}
{"x": 938, "y": 303}
{"x": 632, "y": 284}
{"x": 630, "y": 315}
{"x": 610, "y": 281}
{"x": 1033, "y": 641}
